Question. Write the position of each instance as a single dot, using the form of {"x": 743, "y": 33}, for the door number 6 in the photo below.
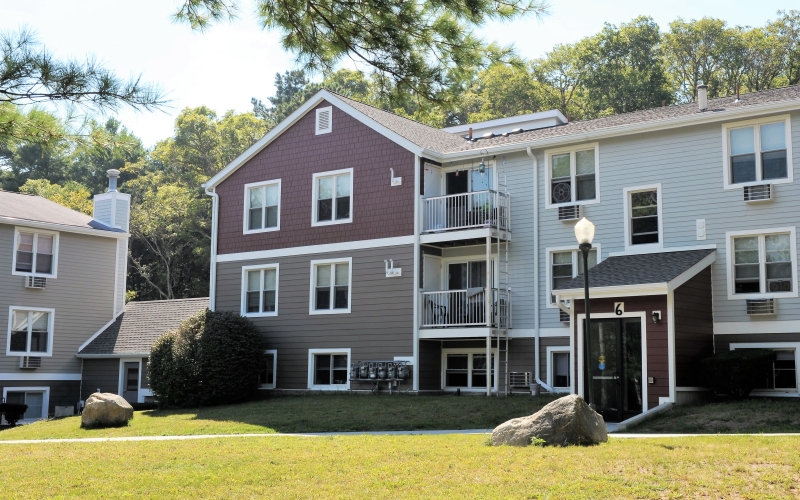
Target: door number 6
{"x": 619, "y": 308}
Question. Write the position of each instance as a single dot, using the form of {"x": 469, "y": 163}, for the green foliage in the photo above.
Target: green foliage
{"x": 71, "y": 194}
{"x": 736, "y": 373}
{"x": 213, "y": 358}
{"x": 13, "y": 412}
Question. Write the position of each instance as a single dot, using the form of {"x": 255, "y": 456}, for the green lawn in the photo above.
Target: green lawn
{"x": 318, "y": 413}
{"x": 752, "y": 415}
{"x": 453, "y": 466}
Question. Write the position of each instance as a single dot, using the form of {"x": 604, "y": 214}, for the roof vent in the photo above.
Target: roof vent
{"x": 702, "y": 96}
{"x": 761, "y": 192}
{"x": 324, "y": 125}
{"x": 760, "y": 307}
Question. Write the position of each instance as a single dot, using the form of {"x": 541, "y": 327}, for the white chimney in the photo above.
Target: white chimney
{"x": 702, "y": 96}
{"x": 113, "y": 208}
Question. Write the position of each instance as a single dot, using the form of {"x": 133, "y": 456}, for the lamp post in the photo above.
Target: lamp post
{"x": 584, "y": 233}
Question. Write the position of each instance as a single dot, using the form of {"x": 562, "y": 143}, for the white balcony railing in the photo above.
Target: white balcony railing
{"x": 466, "y": 210}
{"x": 460, "y": 308}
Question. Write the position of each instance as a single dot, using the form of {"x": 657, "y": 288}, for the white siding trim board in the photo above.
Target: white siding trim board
{"x": 315, "y": 249}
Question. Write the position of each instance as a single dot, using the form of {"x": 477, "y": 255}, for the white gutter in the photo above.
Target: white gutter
{"x": 212, "y": 282}
{"x": 537, "y": 361}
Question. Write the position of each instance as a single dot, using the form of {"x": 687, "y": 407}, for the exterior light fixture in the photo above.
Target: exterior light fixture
{"x": 656, "y": 316}
{"x": 584, "y": 233}
{"x": 482, "y": 165}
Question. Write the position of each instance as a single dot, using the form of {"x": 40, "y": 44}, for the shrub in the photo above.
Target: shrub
{"x": 212, "y": 358}
{"x": 736, "y": 373}
{"x": 13, "y": 412}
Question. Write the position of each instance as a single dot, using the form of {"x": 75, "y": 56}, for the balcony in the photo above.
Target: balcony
{"x": 466, "y": 308}
{"x": 480, "y": 209}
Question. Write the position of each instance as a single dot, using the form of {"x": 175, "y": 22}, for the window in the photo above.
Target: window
{"x": 643, "y": 224}
{"x": 328, "y": 369}
{"x": 37, "y": 399}
{"x": 262, "y": 206}
{"x": 783, "y": 375}
{"x": 330, "y": 286}
{"x": 260, "y": 290}
{"x": 565, "y": 264}
{"x": 29, "y": 332}
{"x": 35, "y": 253}
{"x": 757, "y": 151}
{"x": 333, "y": 202}
{"x": 467, "y": 370}
{"x": 572, "y": 175}
{"x": 559, "y": 366}
{"x": 762, "y": 264}
{"x": 266, "y": 376}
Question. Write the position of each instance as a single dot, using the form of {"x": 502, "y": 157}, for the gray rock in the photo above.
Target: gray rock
{"x": 565, "y": 421}
{"x": 104, "y": 409}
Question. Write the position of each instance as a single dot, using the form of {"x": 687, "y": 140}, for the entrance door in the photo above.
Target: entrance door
{"x": 130, "y": 385}
{"x": 615, "y": 361}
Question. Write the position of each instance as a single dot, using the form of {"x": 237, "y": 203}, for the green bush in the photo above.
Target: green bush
{"x": 13, "y": 412}
{"x": 736, "y": 373}
{"x": 212, "y": 358}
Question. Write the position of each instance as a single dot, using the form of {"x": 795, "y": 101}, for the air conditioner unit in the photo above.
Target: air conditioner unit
{"x": 762, "y": 192}
{"x": 563, "y": 316}
{"x": 35, "y": 282}
{"x": 30, "y": 362}
{"x": 519, "y": 379}
{"x": 759, "y": 307}
{"x": 571, "y": 212}
{"x": 779, "y": 285}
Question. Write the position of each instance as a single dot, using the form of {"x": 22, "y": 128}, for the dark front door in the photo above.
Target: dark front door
{"x": 615, "y": 361}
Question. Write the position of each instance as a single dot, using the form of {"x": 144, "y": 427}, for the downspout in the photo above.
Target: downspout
{"x": 537, "y": 357}
{"x": 417, "y": 270}
{"x": 212, "y": 282}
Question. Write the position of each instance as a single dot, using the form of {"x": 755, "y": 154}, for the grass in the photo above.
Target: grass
{"x": 318, "y": 413}
{"x": 752, "y": 415}
{"x": 450, "y": 466}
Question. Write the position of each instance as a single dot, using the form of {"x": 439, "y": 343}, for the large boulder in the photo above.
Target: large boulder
{"x": 104, "y": 409}
{"x": 565, "y": 421}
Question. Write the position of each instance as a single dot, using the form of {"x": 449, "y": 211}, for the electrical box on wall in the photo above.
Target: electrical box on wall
{"x": 391, "y": 271}
{"x": 701, "y": 229}
{"x": 396, "y": 181}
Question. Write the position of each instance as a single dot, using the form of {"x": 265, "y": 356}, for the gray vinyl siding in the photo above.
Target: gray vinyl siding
{"x": 100, "y": 375}
{"x": 379, "y": 326}
{"x": 82, "y": 296}
{"x": 102, "y": 210}
{"x": 122, "y": 212}
{"x": 121, "y": 271}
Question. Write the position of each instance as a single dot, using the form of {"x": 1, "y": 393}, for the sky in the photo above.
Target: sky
{"x": 232, "y": 62}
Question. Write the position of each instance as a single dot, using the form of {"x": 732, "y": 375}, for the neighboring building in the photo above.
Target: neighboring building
{"x": 115, "y": 359}
{"x": 351, "y": 234}
{"x": 62, "y": 278}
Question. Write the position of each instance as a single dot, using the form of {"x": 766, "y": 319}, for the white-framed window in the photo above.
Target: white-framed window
{"x": 762, "y": 263}
{"x": 262, "y": 206}
{"x": 37, "y": 399}
{"x": 564, "y": 263}
{"x": 260, "y": 290}
{"x": 269, "y": 370}
{"x": 30, "y": 331}
{"x": 35, "y": 253}
{"x": 573, "y": 175}
{"x": 465, "y": 369}
{"x": 333, "y": 198}
{"x": 324, "y": 121}
{"x": 783, "y": 378}
{"x": 757, "y": 151}
{"x": 331, "y": 286}
{"x": 329, "y": 369}
{"x": 559, "y": 373}
{"x": 644, "y": 227}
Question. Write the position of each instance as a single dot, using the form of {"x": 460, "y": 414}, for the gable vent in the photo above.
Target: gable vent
{"x": 756, "y": 307}
{"x": 572, "y": 212}
{"x": 762, "y": 192}
{"x": 324, "y": 120}
{"x": 36, "y": 282}
{"x": 30, "y": 362}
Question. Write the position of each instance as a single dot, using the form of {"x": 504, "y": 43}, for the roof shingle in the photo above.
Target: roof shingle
{"x": 30, "y": 208}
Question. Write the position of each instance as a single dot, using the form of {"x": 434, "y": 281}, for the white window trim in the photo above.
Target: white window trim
{"x": 576, "y": 254}
{"x": 550, "y": 377}
{"x": 317, "y": 131}
{"x": 470, "y": 350}
{"x": 548, "y": 204}
{"x": 330, "y": 387}
{"x": 45, "y": 400}
{"x": 313, "y": 280}
{"x": 314, "y": 189}
{"x": 121, "y": 387}
{"x": 245, "y": 220}
{"x": 760, "y": 232}
{"x": 258, "y": 267}
{"x": 775, "y": 345}
{"x": 274, "y": 353}
{"x": 726, "y": 168}
{"x": 626, "y": 200}
{"x": 54, "y": 234}
{"x": 50, "y": 329}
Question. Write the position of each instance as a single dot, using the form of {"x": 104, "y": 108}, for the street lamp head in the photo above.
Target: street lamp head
{"x": 584, "y": 231}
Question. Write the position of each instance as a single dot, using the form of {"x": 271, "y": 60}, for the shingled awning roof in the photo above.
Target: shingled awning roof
{"x": 135, "y": 330}
{"x": 625, "y": 273}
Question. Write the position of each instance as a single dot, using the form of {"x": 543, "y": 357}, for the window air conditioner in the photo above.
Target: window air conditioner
{"x": 571, "y": 212}
{"x": 756, "y": 307}
{"x": 31, "y": 362}
{"x": 36, "y": 282}
{"x": 563, "y": 317}
{"x": 519, "y": 379}
{"x": 762, "y": 192}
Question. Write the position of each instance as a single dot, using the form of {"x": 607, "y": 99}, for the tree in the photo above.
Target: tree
{"x": 693, "y": 51}
{"x": 787, "y": 30}
{"x": 71, "y": 194}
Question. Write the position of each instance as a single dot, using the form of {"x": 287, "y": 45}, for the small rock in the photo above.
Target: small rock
{"x": 566, "y": 421}
{"x": 104, "y": 409}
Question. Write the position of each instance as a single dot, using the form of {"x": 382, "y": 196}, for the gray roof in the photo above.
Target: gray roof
{"x": 643, "y": 269}
{"x": 31, "y": 208}
{"x": 135, "y": 330}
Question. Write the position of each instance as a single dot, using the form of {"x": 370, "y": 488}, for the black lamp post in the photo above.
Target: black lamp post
{"x": 584, "y": 232}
